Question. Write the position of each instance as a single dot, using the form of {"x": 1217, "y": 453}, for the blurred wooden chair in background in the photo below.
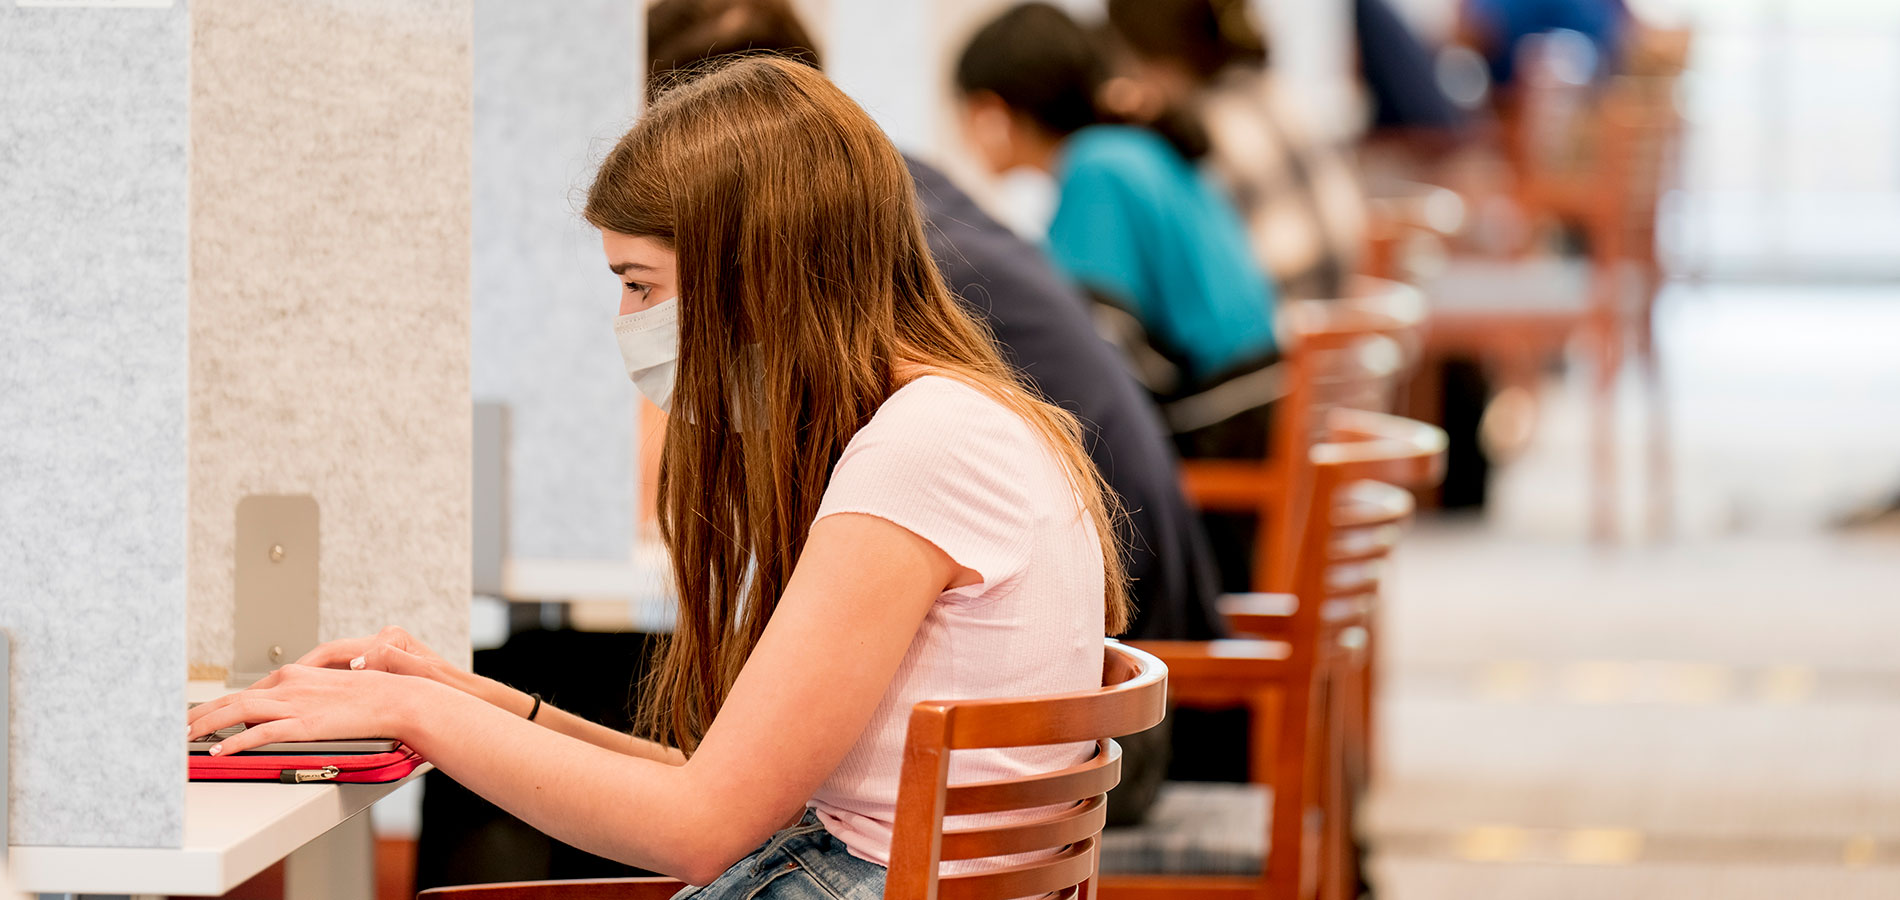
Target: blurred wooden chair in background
{"x": 1590, "y": 158}
{"x": 1132, "y": 698}
{"x": 1379, "y": 325}
{"x": 1274, "y": 836}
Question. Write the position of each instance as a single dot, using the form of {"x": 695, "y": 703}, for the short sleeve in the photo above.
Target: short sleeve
{"x": 953, "y": 466}
{"x": 1095, "y": 237}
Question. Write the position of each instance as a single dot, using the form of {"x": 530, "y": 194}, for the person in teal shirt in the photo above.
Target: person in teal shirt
{"x": 1137, "y": 222}
{"x": 1140, "y": 224}
{"x": 1142, "y": 229}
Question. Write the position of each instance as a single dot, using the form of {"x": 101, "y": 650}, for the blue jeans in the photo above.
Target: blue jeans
{"x": 803, "y": 862}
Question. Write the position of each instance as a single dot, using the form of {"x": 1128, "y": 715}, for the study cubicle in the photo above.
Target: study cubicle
{"x": 214, "y": 296}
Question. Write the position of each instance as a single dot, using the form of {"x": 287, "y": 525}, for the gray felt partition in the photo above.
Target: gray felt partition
{"x": 93, "y": 420}
{"x": 555, "y": 85}
{"x": 234, "y": 260}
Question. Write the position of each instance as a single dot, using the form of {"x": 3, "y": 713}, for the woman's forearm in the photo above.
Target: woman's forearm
{"x": 564, "y": 722}
{"x": 630, "y": 808}
{"x": 599, "y": 735}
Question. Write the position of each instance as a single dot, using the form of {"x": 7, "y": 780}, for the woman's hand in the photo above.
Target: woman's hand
{"x": 306, "y": 703}
{"x": 395, "y": 651}
{"x": 389, "y": 650}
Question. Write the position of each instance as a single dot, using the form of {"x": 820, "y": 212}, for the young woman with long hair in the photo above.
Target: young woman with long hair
{"x": 864, "y": 510}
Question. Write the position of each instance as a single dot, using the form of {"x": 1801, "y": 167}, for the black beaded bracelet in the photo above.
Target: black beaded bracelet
{"x": 537, "y": 707}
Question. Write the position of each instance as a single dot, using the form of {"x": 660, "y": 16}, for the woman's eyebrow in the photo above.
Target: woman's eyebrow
{"x": 621, "y": 268}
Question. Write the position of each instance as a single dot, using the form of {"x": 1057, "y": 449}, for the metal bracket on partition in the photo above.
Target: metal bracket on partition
{"x": 275, "y": 616}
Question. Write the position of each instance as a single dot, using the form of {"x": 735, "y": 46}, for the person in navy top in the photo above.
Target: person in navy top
{"x": 1141, "y": 227}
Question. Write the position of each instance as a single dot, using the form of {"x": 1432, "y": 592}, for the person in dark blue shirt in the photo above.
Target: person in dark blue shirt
{"x": 1496, "y": 27}
{"x": 1138, "y": 223}
{"x": 1038, "y": 319}
{"x": 1145, "y": 230}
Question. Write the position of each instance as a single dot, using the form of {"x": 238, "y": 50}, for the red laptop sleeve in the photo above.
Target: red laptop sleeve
{"x": 305, "y": 768}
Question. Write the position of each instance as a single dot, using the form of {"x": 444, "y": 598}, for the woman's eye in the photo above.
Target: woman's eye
{"x": 642, "y": 289}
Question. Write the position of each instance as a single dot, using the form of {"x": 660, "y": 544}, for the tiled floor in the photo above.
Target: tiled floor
{"x": 1715, "y": 714}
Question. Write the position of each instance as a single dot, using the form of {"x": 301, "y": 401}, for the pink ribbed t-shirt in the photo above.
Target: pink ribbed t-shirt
{"x": 954, "y": 466}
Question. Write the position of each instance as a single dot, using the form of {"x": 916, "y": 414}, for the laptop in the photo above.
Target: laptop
{"x": 311, "y": 748}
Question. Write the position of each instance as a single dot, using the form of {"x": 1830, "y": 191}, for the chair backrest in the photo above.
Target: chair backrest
{"x": 1068, "y": 804}
{"x": 1346, "y": 352}
{"x": 1350, "y": 354}
{"x": 1359, "y": 475}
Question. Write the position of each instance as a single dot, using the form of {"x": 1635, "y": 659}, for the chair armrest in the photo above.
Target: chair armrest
{"x": 1231, "y": 484}
{"x": 582, "y": 889}
{"x": 1263, "y": 615}
{"x": 1382, "y": 447}
{"x": 1221, "y": 673}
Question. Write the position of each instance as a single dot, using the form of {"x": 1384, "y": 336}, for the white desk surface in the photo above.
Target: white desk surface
{"x": 643, "y": 585}
{"x": 233, "y": 830}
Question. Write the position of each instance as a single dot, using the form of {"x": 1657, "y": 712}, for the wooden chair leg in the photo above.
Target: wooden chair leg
{"x": 1660, "y": 487}
{"x": 1336, "y": 837}
{"x": 1367, "y": 692}
{"x": 1292, "y": 738}
{"x": 1603, "y": 505}
{"x": 1347, "y": 757}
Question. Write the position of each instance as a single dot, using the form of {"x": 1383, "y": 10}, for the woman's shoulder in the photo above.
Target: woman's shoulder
{"x": 951, "y": 462}
{"x": 943, "y": 419}
{"x": 939, "y": 405}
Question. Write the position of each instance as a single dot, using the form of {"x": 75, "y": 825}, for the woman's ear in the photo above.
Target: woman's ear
{"x": 1130, "y": 99}
{"x": 990, "y": 127}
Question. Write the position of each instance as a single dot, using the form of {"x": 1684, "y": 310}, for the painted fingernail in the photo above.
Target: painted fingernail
{"x": 217, "y": 749}
{"x": 356, "y": 663}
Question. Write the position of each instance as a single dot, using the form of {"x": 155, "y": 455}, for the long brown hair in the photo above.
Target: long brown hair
{"x": 802, "y": 270}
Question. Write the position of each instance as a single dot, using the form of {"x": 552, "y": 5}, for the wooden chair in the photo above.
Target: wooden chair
{"x": 1236, "y": 841}
{"x": 1368, "y": 466}
{"x": 1596, "y": 158}
{"x": 1380, "y": 318}
{"x": 1132, "y": 698}
{"x": 1381, "y": 460}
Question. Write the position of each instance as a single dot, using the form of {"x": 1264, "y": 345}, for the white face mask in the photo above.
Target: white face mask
{"x": 650, "y": 346}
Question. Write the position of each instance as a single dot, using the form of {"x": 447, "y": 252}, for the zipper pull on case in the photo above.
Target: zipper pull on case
{"x": 305, "y": 776}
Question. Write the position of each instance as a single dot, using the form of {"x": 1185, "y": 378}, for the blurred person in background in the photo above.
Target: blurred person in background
{"x": 1402, "y": 77}
{"x": 1298, "y": 194}
{"x": 1143, "y": 228}
{"x": 1497, "y": 28}
{"x": 1040, "y": 323}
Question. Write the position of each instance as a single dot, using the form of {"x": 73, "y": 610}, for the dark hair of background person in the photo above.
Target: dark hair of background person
{"x": 1045, "y": 65}
{"x": 682, "y": 35}
{"x": 1206, "y": 36}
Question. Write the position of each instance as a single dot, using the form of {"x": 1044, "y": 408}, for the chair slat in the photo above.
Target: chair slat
{"x": 1133, "y": 697}
{"x": 1059, "y": 719}
{"x": 1364, "y": 543}
{"x": 1369, "y": 504}
{"x": 1071, "y": 785}
{"x": 1381, "y": 447}
{"x": 1259, "y": 614}
{"x": 1068, "y": 868}
{"x": 1060, "y": 829}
